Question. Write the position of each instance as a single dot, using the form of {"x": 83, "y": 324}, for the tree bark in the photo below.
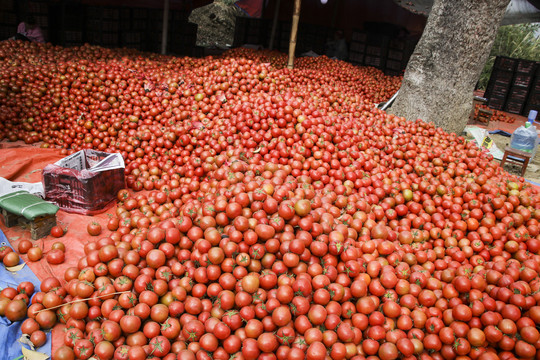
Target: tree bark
{"x": 442, "y": 73}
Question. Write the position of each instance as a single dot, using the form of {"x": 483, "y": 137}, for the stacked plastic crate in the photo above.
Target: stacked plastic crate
{"x": 128, "y": 37}
{"x": 92, "y": 28}
{"x": 396, "y": 57}
{"x": 312, "y": 38}
{"x": 8, "y": 19}
{"x": 154, "y": 30}
{"x": 40, "y": 10}
{"x": 521, "y": 84}
{"x": 533, "y": 100}
{"x": 182, "y": 34}
{"x": 357, "y": 47}
{"x": 111, "y": 27}
{"x": 514, "y": 85}
{"x": 251, "y": 31}
{"x": 500, "y": 82}
{"x": 377, "y": 50}
{"x": 283, "y": 36}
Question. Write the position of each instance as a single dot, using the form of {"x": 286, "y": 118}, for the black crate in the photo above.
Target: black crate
{"x": 125, "y": 13}
{"x": 35, "y": 7}
{"x": 389, "y": 72}
{"x": 496, "y": 103}
{"x": 155, "y": 14}
{"x": 374, "y": 61}
{"x": 94, "y": 12}
{"x": 139, "y": 24}
{"x": 502, "y": 76}
{"x": 523, "y": 79}
{"x": 397, "y": 44}
{"x": 110, "y": 39}
{"x": 357, "y": 47}
{"x": 131, "y": 37}
{"x": 356, "y": 58}
{"x": 8, "y": 18}
{"x": 6, "y": 31}
{"x": 109, "y": 26}
{"x": 111, "y": 13}
{"x": 497, "y": 90}
{"x": 73, "y": 37}
{"x": 393, "y": 65}
{"x": 94, "y": 24}
{"x": 249, "y": 31}
{"x": 139, "y": 13}
{"x": 529, "y": 106}
{"x": 93, "y": 37}
{"x": 526, "y": 66}
{"x": 534, "y": 98}
{"x": 536, "y": 84}
{"x": 7, "y": 5}
{"x": 358, "y": 36}
{"x": 514, "y": 107}
{"x": 374, "y": 51}
{"x": 379, "y": 40}
{"x": 395, "y": 54}
{"x": 505, "y": 63}
{"x": 125, "y": 24}
{"x": 42, "y": 21}
{"x": 499, "y": 83}
{"x": 517, "y": 93}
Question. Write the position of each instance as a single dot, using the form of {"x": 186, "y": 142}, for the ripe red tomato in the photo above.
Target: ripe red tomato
{"x": 57, "y": 231}
{"x": 55, "y": 257}
{"x": 93, "y": 228}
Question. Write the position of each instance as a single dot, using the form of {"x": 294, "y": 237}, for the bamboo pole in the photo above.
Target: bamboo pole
{"x": 165, "y": 30}
{"x": 274, "y": 25}
{"x": 294, "y": 31}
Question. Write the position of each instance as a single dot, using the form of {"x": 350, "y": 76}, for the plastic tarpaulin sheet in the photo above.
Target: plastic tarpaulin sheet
{"x": 24, "y": 163}
{"x": 10, "y": 348}
{"x": 519, "y": 12}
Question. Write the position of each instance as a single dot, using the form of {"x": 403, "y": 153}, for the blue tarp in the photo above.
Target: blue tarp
{"x": 10, "y": 348}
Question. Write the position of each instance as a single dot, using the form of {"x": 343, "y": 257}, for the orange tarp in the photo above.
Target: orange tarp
{"x": 24, "y": 163}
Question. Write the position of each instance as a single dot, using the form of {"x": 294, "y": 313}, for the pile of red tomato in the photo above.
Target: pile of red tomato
{"x": 285, "y": 216}
{"x": 496, "y": 116}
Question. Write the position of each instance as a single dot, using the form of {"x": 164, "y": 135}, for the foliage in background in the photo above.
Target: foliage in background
{"x": 516, "y": 41}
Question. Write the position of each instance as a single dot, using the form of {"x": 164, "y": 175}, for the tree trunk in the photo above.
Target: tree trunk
{"x": 441, "y": 75}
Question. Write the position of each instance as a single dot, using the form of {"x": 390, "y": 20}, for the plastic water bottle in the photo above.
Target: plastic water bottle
{"x": 525, "y": 138}
{"x": 532, "y": 116}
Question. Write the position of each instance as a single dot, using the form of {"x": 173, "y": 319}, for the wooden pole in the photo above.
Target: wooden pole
{"x": 274, "y": 25}
{"x": 294, "y": 31}
{"x": 165, "y": 30}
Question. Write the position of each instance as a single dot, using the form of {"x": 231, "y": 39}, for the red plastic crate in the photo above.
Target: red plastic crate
{"x": 77, "y": 185}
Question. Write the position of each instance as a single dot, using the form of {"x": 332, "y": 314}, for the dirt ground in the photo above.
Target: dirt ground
{"x": 533, "y": 169}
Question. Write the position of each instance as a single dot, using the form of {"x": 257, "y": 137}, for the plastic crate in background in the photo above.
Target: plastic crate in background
{"x": 85, "y": 182}
{"x": 514, "y": 106}
{"x": 505, "y": 63}
{"x": 526, "y": 66}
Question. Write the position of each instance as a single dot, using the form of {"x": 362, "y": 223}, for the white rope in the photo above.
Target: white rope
{"x": 29, "y": 206}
